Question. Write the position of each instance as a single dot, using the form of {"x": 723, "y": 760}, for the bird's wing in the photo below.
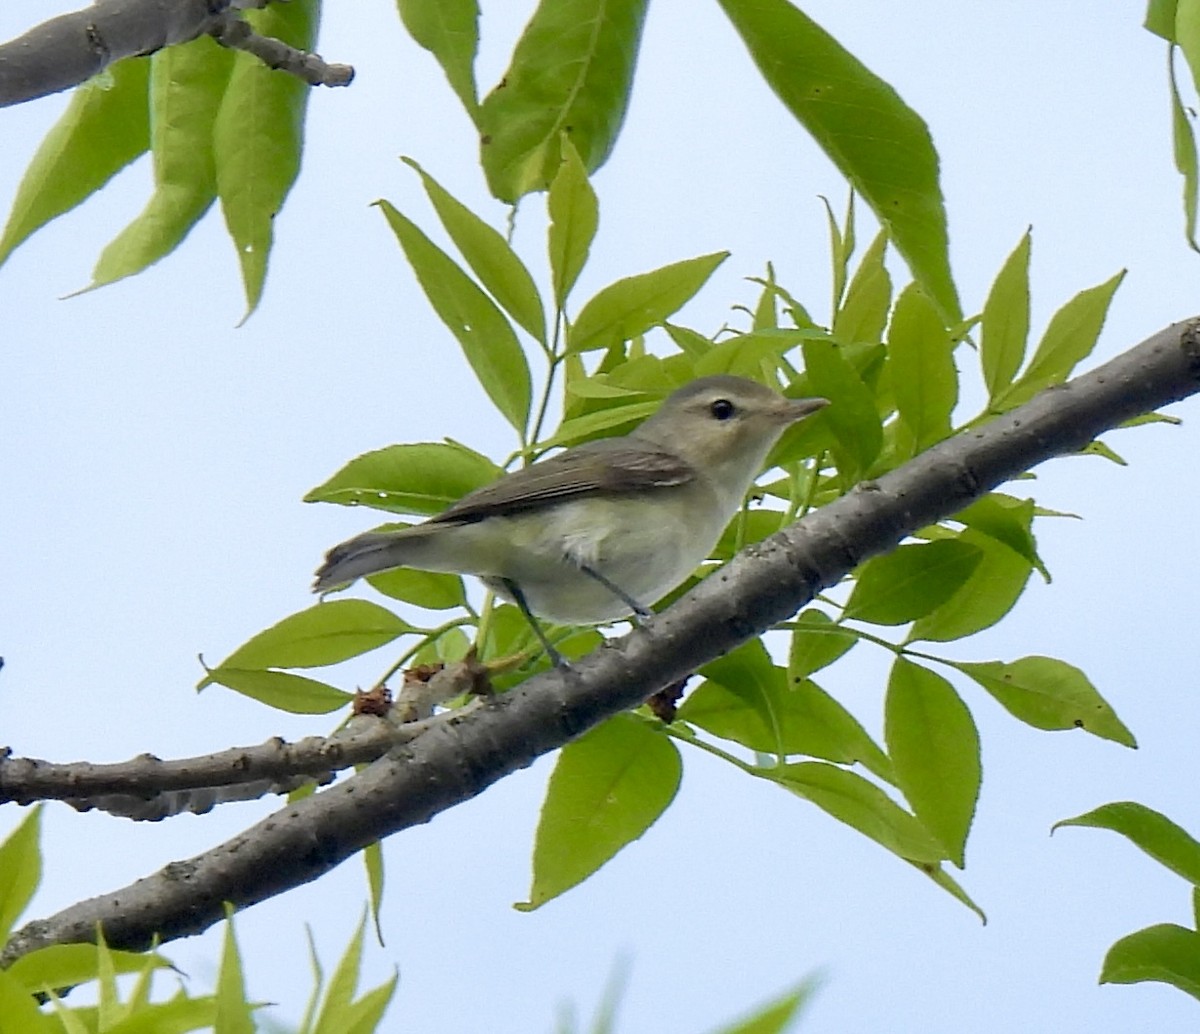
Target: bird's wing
{"x": 607, "y": 466}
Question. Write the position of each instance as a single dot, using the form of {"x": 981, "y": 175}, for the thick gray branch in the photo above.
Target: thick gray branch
{"x": 67, "y": 50}
{"x": 764, "y": 585}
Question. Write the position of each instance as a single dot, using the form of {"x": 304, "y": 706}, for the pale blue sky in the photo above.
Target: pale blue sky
{"x": 153, "y": 458}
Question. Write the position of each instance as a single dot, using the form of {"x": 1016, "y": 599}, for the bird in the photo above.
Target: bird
{"x": 598, "y": 532}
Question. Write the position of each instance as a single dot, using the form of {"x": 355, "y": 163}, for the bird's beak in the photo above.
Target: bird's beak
{"x": 798, "y": 409}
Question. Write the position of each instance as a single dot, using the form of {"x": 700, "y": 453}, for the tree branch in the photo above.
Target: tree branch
{"x": 67, "y": 50}
{"x": 762, "y": 586}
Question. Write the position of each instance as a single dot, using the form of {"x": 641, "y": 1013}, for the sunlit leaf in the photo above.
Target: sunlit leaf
{"x": 852, "y": 415}
{"x": 1165, "y": 953}
{"x": 1004, "y": 330}
{"x": 20, "y": 869}
{"x": 283, "y": 690}
{"x": 1164, "y": 841}
{"x": 449, "y": 30}
{"x": 911, "y": 581}
{"x": 574, "y": 216}
{"x": 924, "y": 380}
{"x": 862, "y": 313}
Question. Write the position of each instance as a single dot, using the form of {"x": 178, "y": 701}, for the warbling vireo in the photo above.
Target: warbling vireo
{"x": 595, "y": 533}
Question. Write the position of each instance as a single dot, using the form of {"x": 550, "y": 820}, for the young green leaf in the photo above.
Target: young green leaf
{"x": 66, "y": 965}
{"x": 691, "y": 342}
{"x": 924, "y": 381}
{"x": 282, "y": 690}
{"x": 911, "y": 581}
{"x": 1004, "y": 329}
{"x": 429, "y": 589}
{"x": 816, "y": 643}
{"x": 863, "y": 310}
{"x": 187, "y": 82}
{"x": 1049, "y": 694}
{"x": 777, "y": 1016}
{"x": 1164, "y": 841}
{"x": 1006, "y": 520}
{"x": 990, "y": 592}
{"x": 257, "y": 140}
{"x": 878, "y": 143}
{"x": 1069, "y": 339}
{"x": 607, "y": 789}
{"x": 106, "y": 126}
{"x": 325, "y": 633}
{"x": 571, "y": 72}
{"x": 489, "y": 255}
{"x": 449, "y": 30}
{"x": 861, "y": 805}
{"x": 486, "y": 337}
{"x": 1183, "y": 139}
{"x": 421, "y": 478}
{"x": 934, "y": 747}
{"x": 20, "y": 1009}
{"x": 852, "y": 417}
{"x": 574, "y": 216}
{"x": 634, "y": 304}
{"x": 234, "y": 1012}
{"x": 20, "y": 869}
{"x": 1167, "y": 953}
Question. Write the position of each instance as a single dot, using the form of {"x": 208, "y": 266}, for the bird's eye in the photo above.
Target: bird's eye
{"x": 722, "y": 409}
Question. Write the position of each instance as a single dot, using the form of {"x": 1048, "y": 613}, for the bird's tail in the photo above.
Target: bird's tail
{"x": 365, "y": 554}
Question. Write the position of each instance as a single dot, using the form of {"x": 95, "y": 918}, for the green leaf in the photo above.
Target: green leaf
{"x": 65, "y": 965}
{"x": 852, "y": 415}
{"x": 422, "y": 478}
{"x": 1005, "y": 326}
{"x": 449, "y": 30}
{"x": 1160, "y": 18}
{"x": 571, "y": 72}
{"x": 19, "y": 1010}
{"x": 951, "y": 886}
{"x": 911, "y": 581}
{"x": 751, "y": 355}
{"x": 934, "y": 747}
{"x": 1164, "y": 841}
{"x": 574, "y": 216}
{"x": 325, "y": 633}
{"x": 877, "y": 142}
{"x": 607, "y": 789}
{"x": 816, "y": 643}
{"x": 634, "y": 304}
{"x": 372, "y": 856}
{"x": 187, "y": 82}
{"x": 691, "y": 342}
{"x": 1183, "y": 140}
{"x": 1049, "y": 694}
{"x": 1069, "y": 339}
{"x": 106, "y": 126}
{"x": 1006, "y": 520}
{"x": 257, "y": 139}
{"x": 486, "y": 337}
{"x": 861, "y": 805}
{"x": 428, "y": 589}
{"x": 776, "y": 1016}
{"x": 990, "y": 591}
{"x": 747, "y": 699}
{"x": 234, "y": 1013}
{"x": 20, "y": 869}
{"x": 339, "y": 993}
{"x": 1165, "y": 953}
{"x": 863, "y": 311}
{"x": 282, "y": 690}
{"x": 921, "y": 363}
{"x": 489, "y": 255}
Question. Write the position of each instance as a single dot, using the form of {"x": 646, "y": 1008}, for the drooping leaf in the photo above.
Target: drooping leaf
{"x": 105, "y": 127}
{"x": 487, "y": 339}
{"x": 607, "y": 789}
{"x": 934, "y": 747}
{"x": 1183, "y": 140}
{"x": 489, "y": 255}
{"x": 421, "y": 478}
{"x": 571, "y": 72}
{"x": 257, "y": 139}
{"x": 1007, "y": 520}
{"x": 1004, "y": 330}
{"x": 449, "y": 30}
{"x": 1164, "y": 841}
{"x": 187, "y": 84}
{"x": 911, "y": 581}
{"x": 816, "y": 643}
{"x": 1165, "y": 953}
{"x": 989, "y": 592}
{"x": 924, "y": 380}
{"x": 325, "y": 633}
{"x": 1049, "y": 694}
{"x": 878, "y": 143}
{"x": 634, "y": 304}
{"x": 861, "y": 805}
{"x": 574, "y": 216}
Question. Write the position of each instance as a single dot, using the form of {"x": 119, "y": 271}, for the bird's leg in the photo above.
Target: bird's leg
{"x": 640, "y": 612}
{"x": 556, "y": 658}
